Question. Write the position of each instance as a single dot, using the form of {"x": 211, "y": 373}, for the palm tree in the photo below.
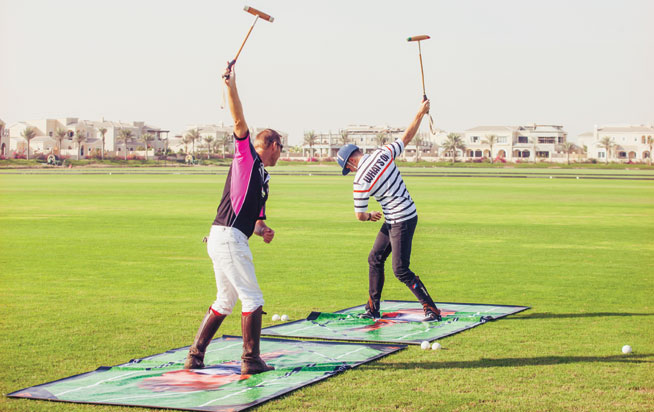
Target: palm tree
{"x": 79, "y": 137}
{"x": 568, "y": 148}
{"x": 345, "y": 137}
{"x": 380, "y": 139}
{"x": 60, "y": 134}
{"x": 147, "y": 138}
{"x": 103, "y": 132}
{"x": 650, "y": 143}
{"x": 490, "y": 140}
{"x": 418, "y": 142}
{"x": 192, "y": 136}
{"x": 452, "y": 144}
{"x": 125, "y": 135}
{"x": 28, "y": 134}
{"x": 310, "y": 139}
{"x": 534, "y": 142}
{"x": 224, "y": 141}
{"x": 208, "y": 141}
{"x": 607, "y": 144}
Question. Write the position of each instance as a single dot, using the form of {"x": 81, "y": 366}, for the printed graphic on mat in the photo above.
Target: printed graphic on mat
{"x": 159, "y": 381}
{"x": 401, "y": 322}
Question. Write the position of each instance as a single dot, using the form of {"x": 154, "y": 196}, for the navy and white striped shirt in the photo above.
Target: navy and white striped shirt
{"x": 378, "y": 176}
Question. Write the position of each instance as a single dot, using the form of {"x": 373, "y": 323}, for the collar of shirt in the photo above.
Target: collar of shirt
{"x": 362, "y": 161}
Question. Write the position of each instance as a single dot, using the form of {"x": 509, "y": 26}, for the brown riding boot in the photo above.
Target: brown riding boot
{"x": 251, "y": 362}
{"x": 208, "y": 328}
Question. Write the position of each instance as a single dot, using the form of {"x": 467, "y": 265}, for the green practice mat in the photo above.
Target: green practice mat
{"x": 159, "y": 381}
{"x": 401, "y": 322}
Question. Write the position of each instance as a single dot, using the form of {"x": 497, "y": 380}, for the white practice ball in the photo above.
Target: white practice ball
{"x": 275, "y": 317}
{"x": 626, "y": 349}
{"x": 425, "y": 345}
{"x": 436, "y": 346}
{"x": 284, "y": 318}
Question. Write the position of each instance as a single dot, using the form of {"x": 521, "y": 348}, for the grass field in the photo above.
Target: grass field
{"x": 99, "y": 269}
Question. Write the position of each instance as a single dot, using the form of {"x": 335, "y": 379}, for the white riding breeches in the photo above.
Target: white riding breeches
{"x": 234, "y": 269}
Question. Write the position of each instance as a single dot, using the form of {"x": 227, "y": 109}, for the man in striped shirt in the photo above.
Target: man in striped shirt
{"x": 377, "y": 176}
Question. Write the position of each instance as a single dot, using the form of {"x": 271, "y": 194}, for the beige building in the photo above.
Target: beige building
{"x": 629, "y": 143}
{"x": 47, "y": 141}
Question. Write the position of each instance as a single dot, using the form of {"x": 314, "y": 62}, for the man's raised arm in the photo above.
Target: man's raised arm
{"x": 411, "y": 131}
{"x": 235, "y": 107}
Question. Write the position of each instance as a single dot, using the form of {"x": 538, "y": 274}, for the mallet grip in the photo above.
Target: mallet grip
{"x": 229, "y": 67}
{"x": 261, "y": 14}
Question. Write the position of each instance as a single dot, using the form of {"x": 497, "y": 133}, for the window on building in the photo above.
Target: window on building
{"x": 643, "y": 140}
{"x": 474, "y": 139}
{"x": 601, "y": 155}
{"x": 560, "y": 139}
{"x": 546, "y": 140}
{"x": 622, "y": 155}
{"x": 543, "y": 154}
{"x": 501, "y": 139}
{"x": 523, "y": 139}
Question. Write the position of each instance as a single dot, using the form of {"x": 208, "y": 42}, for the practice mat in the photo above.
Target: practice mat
{"x": 159, "y": 381}
{"x": 401, "y": 322}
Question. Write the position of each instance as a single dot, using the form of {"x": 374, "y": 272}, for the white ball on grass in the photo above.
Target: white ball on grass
{"x": 284, "y": 318}
{"x": 275, "y": 317}
{"x": 424, "y": 345}
{"x": 626, "y": 349}
{"x": 436, "y": 346}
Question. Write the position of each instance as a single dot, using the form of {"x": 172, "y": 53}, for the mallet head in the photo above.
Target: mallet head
{"x": 418, "y": 38}
{"x": 259, "y": 14}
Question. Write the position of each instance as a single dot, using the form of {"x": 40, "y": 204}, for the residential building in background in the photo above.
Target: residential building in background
{"x": 46, "y": 141}
{"x": 216, "y": 138}
{"x": 627, "y": 142}
{"x": 4, "y": 140}
{"x": 533, "y": 142}
{"x": 368, "y": 138}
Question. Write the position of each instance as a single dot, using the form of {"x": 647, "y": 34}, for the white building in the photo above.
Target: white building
{"x": 533, "y": 142}
{"x": 629, "y": 142}
{"x": 368, "y": 138}
{"x": 213, "y": 138}
{"x": 4, "y": 140}
{"x": 47, "y": 138}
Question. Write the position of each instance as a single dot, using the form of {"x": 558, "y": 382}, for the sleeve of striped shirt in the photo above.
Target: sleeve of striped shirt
{"x": 395, "y": 149}
{"x": 361, "y": 197}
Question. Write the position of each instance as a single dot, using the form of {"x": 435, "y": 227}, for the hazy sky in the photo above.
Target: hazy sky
{"x": 325, "y": 64}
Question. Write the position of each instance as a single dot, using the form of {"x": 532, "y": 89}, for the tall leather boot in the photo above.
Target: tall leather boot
{"x": 251, "y": 362}
{"x": 208, "y": 328}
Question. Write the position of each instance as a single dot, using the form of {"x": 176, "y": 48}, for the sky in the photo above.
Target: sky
{"x": 323, "y": 65}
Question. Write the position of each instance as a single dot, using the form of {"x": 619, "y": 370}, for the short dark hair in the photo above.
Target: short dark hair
{"x": 266, "y": 137}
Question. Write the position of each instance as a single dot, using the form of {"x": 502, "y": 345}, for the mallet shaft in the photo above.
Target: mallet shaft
{"x": 422, "y": 73}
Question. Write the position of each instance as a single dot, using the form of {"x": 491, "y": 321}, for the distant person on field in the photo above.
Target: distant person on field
{"x": 378, "y": 176}
{"x": 241, "y": 213}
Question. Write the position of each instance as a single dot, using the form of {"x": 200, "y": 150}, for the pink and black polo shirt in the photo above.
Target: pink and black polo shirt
{"x": 246, "y": 189}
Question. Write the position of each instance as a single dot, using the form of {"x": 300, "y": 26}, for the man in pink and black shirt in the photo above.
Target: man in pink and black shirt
{"x": 241, "y": 213}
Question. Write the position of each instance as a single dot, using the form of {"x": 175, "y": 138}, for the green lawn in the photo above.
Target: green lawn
{"x": 99, "y": 269}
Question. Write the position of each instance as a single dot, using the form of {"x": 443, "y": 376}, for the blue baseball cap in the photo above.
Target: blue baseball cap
{"x": 343, "y": 156}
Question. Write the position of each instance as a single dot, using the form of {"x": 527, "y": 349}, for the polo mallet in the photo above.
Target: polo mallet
{"x": 258, "y": 14}
{"x": 422, "y": 74}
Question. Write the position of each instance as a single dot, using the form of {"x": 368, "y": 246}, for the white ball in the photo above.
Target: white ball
{"x": 626, "y": 349}
{"x": 284, "y": 318}
{"x": 275, "y": 317}
{"x": 424, "y": 345}
{"x": 436, "y": 346}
